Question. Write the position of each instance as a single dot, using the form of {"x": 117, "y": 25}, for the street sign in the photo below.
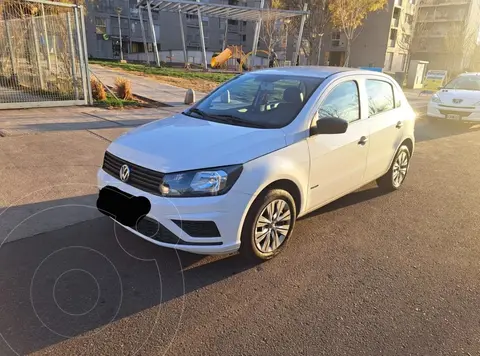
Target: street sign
{"x": 434, "y": 80}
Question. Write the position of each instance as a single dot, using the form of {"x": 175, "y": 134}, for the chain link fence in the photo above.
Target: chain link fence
{"x": 43, "y": 59}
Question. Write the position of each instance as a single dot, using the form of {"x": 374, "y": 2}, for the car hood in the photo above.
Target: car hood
{"x": 451, "y": 97}
{"x": 181, "y": 143}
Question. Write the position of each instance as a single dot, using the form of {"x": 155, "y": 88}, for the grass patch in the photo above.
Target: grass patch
{"x": 166, "y": 71}
{"x": 111, "y": 102}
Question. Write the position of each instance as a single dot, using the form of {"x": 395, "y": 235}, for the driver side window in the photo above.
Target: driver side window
{"x": 342, "y": 102}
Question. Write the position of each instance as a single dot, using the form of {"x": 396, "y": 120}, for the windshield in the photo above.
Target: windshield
{"x": 465, "y": 82}
{"x": 257, "y": 100}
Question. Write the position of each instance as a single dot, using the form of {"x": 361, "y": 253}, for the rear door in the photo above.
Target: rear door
{"x": 386, "y": 125}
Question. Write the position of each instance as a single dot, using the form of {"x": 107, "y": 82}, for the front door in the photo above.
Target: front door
{"x": 338, "y": 162}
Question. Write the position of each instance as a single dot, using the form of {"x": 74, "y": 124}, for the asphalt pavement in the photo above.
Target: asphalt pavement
{"x": 370, "y": 274}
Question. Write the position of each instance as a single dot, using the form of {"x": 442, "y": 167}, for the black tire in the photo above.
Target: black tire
{"x": 387, "y": 182}
{"x": 248, "y": 247}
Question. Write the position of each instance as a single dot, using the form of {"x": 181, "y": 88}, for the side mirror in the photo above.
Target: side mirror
{"x": 330, "y": 126}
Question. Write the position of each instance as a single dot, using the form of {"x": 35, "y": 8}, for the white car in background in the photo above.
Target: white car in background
{"x": 236, "y": 170}
{"x": 459, "y": 100}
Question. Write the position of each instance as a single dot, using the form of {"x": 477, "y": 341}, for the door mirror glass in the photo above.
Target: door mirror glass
{"x": 330, "y": 126}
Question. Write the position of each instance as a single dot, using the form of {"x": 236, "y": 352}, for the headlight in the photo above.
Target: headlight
{"x": 436, "y": 99}
{"x": 200, "y": 183}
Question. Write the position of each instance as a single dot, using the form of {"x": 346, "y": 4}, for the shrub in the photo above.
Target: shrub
{"x": 123, "y": 88}
{"x": 98, "y": 91}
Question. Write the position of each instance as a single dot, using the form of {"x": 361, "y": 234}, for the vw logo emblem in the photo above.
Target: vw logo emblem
{"x": 124, "y": 173}
{"x": 457, "y": 101}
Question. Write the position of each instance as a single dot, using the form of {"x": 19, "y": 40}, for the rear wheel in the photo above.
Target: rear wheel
{"x": 394, "y": 178}
{"x": 269, "y": 225}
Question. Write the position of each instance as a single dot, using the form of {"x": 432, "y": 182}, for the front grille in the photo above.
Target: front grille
{"x": 454, "y": 112}
{"x": 198, "y": 228}
{"x": 140, "y": 177}
{"x": 154, "y": 230}
{"x": 457, "y": 107}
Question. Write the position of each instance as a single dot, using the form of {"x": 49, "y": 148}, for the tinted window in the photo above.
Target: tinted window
{"x": 380, "y": 97}
{"x": 342, "y": 102}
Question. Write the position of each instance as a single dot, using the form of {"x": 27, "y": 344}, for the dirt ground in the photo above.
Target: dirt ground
{"x": 198, "y": 84}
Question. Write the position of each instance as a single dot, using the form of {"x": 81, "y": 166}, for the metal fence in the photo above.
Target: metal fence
{"x": 43, "y": 55}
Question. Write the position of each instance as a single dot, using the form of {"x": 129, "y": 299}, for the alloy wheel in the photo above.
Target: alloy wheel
{"x": 272, "y": 226}
{"x": 400, "y": 168}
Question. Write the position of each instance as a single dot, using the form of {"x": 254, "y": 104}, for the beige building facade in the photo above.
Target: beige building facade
{"x": 382, "y": 42}
{"x": 446, "y": 33}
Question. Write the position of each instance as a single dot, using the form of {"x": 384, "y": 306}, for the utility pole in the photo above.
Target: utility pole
{"x": 118, "y": 10}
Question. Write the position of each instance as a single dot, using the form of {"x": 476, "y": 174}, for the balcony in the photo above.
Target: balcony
{"x": 442, "y": 18}
{"x": 437, "y": 3}
{"x": 395, "y": 22}
{"x": 398, "y": 3}
{"x": 392, "y": 43}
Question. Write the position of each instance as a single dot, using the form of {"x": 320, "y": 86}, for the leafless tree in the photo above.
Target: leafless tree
{"x": 271, "y": 30}
{"x": 315, "y": 25}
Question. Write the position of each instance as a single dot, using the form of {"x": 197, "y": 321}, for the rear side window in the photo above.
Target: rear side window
{"x": 380, "y": 97}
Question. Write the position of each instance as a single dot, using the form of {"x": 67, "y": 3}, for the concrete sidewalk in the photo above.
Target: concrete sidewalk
{"x": 49, "y": 159}
{"x": 146, "y": 87}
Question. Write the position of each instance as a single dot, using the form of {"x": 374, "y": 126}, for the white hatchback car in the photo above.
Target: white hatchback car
{"x": 237, "y": 169}
{"x": 458, "y": 100}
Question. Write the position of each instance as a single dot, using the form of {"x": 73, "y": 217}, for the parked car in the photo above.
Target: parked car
{"x": 458, "y": 100}
{"x": 237, "y": 169}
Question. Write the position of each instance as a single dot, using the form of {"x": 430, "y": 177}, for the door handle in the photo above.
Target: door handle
{"x": 363, "y": 140}
{"x": 399, "y": 125}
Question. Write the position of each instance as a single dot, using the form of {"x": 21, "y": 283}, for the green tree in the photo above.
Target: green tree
{"x": 348, "y": 16}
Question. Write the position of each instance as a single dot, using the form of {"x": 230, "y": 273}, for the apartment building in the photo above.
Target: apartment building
{"x": 382, "y": 42}
{"x": 103, "y": 31}
{"x": 446, "y": 33}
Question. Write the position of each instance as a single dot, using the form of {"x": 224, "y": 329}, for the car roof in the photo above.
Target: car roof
{"x": 315, "y": 71}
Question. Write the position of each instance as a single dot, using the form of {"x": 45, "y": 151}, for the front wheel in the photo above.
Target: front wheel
{"x": 394, "y": 178}
{"x": 268, "y": 225}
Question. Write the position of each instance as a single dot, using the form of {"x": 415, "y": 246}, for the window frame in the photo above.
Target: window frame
{"x": 394, "y": 96}
{"x": 331, "y": 88}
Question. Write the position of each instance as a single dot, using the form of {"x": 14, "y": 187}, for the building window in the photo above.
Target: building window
{"x": 138, "y": 47}
{"x": 404, "y": 62}
{"x": 191, "y": 17}
{"x": 244, "y": 38}
{"x": 336, "y": 39}
{"x": 233, "y": 22}
{"x": 100, "y": 25}
{"x": 409, "y": 19}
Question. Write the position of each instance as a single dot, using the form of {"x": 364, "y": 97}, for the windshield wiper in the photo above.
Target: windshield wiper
{"x": 198, "y": 112}
{"x": 236, "y": 120}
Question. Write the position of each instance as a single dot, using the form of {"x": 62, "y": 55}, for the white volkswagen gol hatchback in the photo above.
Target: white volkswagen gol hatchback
{"x": 237, "y": 169}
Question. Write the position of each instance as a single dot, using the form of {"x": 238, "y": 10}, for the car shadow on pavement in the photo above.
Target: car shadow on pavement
{"x": 427, "y": 129}
{"x": 79, "y": 279}
{"x": 368, "y": 192}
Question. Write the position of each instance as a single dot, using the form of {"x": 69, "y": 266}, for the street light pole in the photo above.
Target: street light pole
{"x": 119, "y": 11}
{"x": 287, "y": 22}
{"x": 320, "y": 38}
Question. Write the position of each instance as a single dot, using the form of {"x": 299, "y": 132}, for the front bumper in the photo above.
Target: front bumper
{"x": 441, "y": 112}
{"x": 226, "y": 211}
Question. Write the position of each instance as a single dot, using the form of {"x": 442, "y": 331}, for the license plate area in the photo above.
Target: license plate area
{"x": 453, "y": 117}
{"x": 125, "y": 208}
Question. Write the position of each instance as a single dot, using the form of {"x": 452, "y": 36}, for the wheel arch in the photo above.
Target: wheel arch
{"x": 289, "y": 186}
